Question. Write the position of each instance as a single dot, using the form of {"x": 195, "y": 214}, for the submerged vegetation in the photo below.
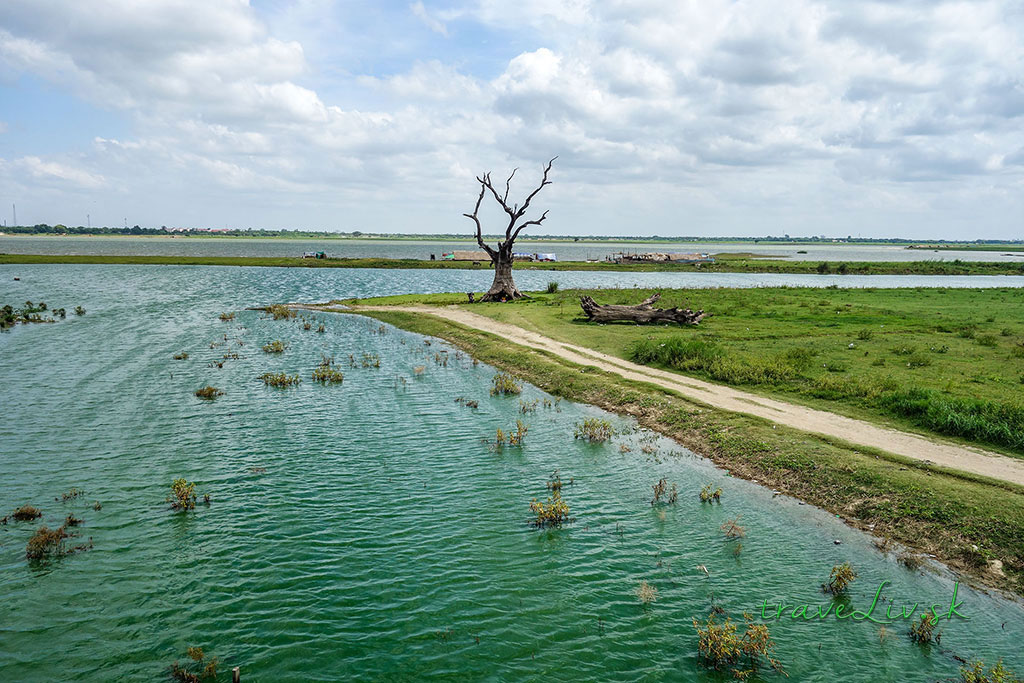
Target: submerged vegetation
{"x": 208, "y": 393}
{"x": 709, "y": 494}
{"x": 276, "y": 346}
{"x": 840, "y": 578}
{"x": 554, "y": 512}
{"x": 594, "y": 430}
{"x": 199, "y": 667}
{"x": 183, "y": 495}
{"x": 661, "y": 490}
{"x": 279, "y": 379}
{"x": 31, "y": 313}
{"x": 723, "y": 648}
{"x": 503, "y": 384}
{"x": 280, "y": 312}
{"x": 326, "y": 373}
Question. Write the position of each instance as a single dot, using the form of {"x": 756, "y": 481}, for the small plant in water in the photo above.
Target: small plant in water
{"x": 208, "y": 393}
{"x": 732, "y": 529}
{"x": 975, "y": 673}
{"x": 276, "y": 346}
{"x": 710, "y": 494}
{"x": 555, "y": 512}
{"x": 721, "y": 647}
{"x": 646, "y": 593}
{"x": 183, "y": 495}
{"x": 280, "y": 312}
{"x": 180, "y": 356}
{"x": 371, "y": 360}
{"x": 503, "y": 383}
{"x": 46, "y": 543}
{"x": 279, "y": 379}
{"x": 26, "y": 513}
{"x": 528, "y": 406}
{"x": 594, "y": 429}
{"x": 326, "y": 373}
{"x": 79, "y": 310}
{"x": 661, "y": 490}
{"x": 923, "y": 630}
{"x": 199, "y": 669}
{"x": 225, "y": 317}
{"x": 839, "y": 579}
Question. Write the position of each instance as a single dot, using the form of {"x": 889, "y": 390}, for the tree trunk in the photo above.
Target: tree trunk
{"x": 504, "y": 287}
{"x": 641, "y": 313}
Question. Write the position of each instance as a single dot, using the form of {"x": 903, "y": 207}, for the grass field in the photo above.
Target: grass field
{"x": 967, "y": 522}
{"x": 939, "y": 361}
{"x": 726, "y": 263}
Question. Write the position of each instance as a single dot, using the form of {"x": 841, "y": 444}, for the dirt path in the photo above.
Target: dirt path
{"x": 964, "y": 458}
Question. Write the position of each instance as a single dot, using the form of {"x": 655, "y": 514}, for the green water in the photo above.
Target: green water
{"x": 385, "y": 540}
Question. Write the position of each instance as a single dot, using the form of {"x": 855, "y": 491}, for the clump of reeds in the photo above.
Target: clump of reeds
{"x": 208, "y": 393}
{"x": 26, "y": 513}
{"x": 646, "y": 593}
{"x": 326, "y": 373}
{"x": 46, "y": 542}
{"x": 225, "y": 317}
{"x": 503, "y": 383}
{"x": 276, "y": 346}
{"x": 923, "y": 630}
{"x": 183, "y": 495}
{"x": 661, "y": 490}
{"x": 180, "y": 356}
{"x": 528, "y": 406}
{"x": 321, "y": 329}
{"x": 370, "y": 360}
{"x": 280, "y": 312}
{"x": 840, "y": 578}
{"x": 722, "y": 647}
{"x": 441, "y": 358}
{"x": 594, "y": 429}
{"x": 279, "y": 379}
{"x": 708, "y": 494}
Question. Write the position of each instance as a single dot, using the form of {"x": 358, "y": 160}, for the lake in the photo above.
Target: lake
{"x": 422, "y": 249}
{"x": 366, "y": 530}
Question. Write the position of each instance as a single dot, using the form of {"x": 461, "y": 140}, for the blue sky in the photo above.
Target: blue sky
{"x": 670, "y": 118}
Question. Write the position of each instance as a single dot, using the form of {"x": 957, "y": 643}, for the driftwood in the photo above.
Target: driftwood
{"x": 641, "y": 313}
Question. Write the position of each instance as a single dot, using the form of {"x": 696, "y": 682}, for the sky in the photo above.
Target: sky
{"x": 700, "y": 117}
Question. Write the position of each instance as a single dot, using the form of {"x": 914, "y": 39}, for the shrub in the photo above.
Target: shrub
{"x": 799, "y": 357}
{"x": 823, "y": 267}
{"x": 839, "y": 579}
{"x": 865, "y": 334}
{"x": 923, "y": 631}
{"x": 988, "y": 340}
{"x": 208, "y": 393}
{"x": 732, "y": 529}
{"x": 646, "y": 593}
{"x": 280, "y": 312}
{"x": 967, "y": 332}
{"x": 709, "y": 494}
{"x": 552, "y": 287}
{"x": 918, "y": 360}
{"x": 976, "y": 419}
{"x": 276, "y": 346}
{"x": 721, "y": 647}
{"x": 180, "y": 356}
{"x": 903, "y": 350}
{"x": 1006, "y": 332}
{"x": 183, "y": 495}
{"x": 279, "y": 379}
{"x": 594, "y": 430}
{"x": 555, "y": 512}
{"x": 503, "y": 383}
{"x": 661, "y": 489}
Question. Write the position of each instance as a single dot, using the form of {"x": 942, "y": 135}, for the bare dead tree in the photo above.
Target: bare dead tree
{"x": 504, "y": 287}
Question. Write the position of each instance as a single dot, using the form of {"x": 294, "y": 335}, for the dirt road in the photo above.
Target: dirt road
{"x": 964, "y": 458}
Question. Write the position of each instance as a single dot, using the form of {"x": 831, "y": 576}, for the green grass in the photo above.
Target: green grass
{"x": 934, "y": 361}
{"x": 930, "y": 509}
{"x": 727, "y": 263}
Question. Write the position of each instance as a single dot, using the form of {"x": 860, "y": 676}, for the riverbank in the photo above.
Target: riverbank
{"x": 971, "y": 524}
{"x": 725, "y": 263}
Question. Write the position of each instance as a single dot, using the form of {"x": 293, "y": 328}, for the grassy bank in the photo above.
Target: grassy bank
{"x": 933, "y": 511}
{"x": 727, "y": 263}
{"x": 935, "y": 361}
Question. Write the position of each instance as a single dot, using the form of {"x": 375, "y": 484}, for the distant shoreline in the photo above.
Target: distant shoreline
{"x": 726, "y": 263}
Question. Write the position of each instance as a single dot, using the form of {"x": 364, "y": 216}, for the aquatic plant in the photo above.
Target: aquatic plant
{"x": 198, "y": 670}
{"x": 326, "y": 373}
{"x": 280, "y": 312}
{"x": 225, "y": 317}
{"x": 732, "y": 529}
{"x": 26, "y": 513}
{"x": 710, "y": 494}
{"x": 461, "y": 400}
{"x": 208, "y": 393}
{"x": 307, "y": 325}
{"x": 594, "y": 430}
{"x": 516, "y": 438}
{"x": 646, "y": 593}
{"x": 975, "y": 673}
{"x": 46, "y": 542}
{"x": 276, "y": 346}
{"x": 279, "y": 379}
{"x": 661, "y": 489}
{"x": 840, "y": 578}
{"x": 528, "y": 406}
{"x": 79, "y": 310}
{"x": 371, "y": 360}
{"x": 418, "y": 370}
{"x": 923, "y": 630}
{"x": 554, "y": 512}
{"x": 183, "y": 495}
{"x": 721, "y": 647}
{"x": 552, "y": 287}
{"x": 503, "y": 383}
{"x": 321, "y": 329}
{"x": 71, "y": 520}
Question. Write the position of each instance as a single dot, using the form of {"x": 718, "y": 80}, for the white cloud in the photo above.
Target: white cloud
{"x": 421, "y": 13}
{"x": 48, "y": 171}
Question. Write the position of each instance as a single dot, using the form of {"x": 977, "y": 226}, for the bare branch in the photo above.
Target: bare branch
{"x": 476, "y": 219}
{"x": 486, "y": 180}
{"x": 534, "y": 222}
{"x": 508, "y": 184}
{"x": 543, "y": 181}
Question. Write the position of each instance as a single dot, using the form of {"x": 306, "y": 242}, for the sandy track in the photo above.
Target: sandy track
{"x": 964, "y": 458}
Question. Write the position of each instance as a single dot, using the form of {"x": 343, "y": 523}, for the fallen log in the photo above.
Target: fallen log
{"x": 642, "y": 313}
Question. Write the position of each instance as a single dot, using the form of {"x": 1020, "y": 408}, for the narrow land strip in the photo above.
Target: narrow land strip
{"x": 964, "y": 458}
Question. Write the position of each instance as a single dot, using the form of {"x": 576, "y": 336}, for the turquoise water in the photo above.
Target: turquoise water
{"x": 385, "y": 540}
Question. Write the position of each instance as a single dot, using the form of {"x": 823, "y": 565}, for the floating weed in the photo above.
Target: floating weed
{"x": 279, "y": 379}
{"x": 307, "y": 325}
{"x": 709, "y": 494}
{"x": 503, "y": 383}
{"x": 183, "y": 495}
{"x": 722, "y": 647}
{"x": 371, "y": 360}
{"x": 646, "y": 593}
{"x": 441, "y": 358}
{"x": 321, "y": 329}
{"x": 553, "y": 513}
{"x": 180, "y": 356}
{"x": 46, "y": 543}
{"x": 840, "y": 578}
{"x": 208, "y": 393}
{"x": 623, "y": 448}
{"x": 79, "y": 310}
{"x": 418, "y": 370}
{"x": 26, "y": 513}
{"x": 467, "y": 402}
{"x": 71, "y": 520}
{"x": 225, "y": 317}
{"x": 276, "y": 346}
{"x": 71, "y": 494}
{"x": 594, "y": 430}
{"x": 199, "y": 669}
